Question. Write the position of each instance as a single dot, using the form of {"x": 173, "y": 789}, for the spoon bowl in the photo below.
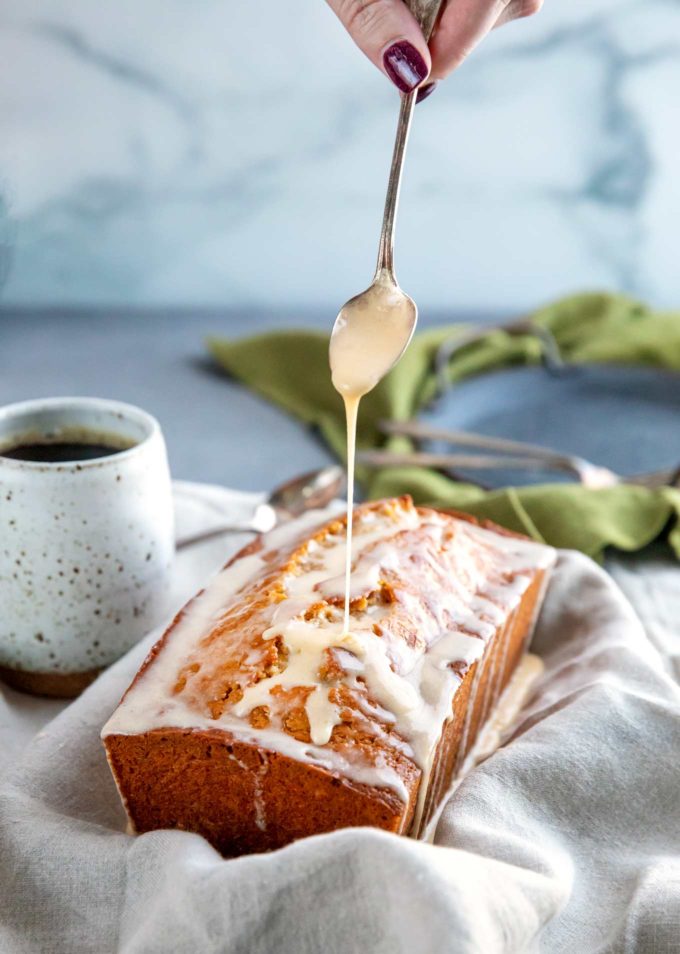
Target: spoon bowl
{"x": 370, "y": 334}
{"x": 311, "y": 491}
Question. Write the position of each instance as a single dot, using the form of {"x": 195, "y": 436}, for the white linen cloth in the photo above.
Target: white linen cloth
{"x": 566, "y": 840}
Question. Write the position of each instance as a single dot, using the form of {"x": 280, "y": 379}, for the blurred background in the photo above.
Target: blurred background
{"x": 218, "y": 154}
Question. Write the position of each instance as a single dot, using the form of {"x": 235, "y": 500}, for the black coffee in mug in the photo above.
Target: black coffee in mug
{"x": 65, "y": 446}
{"x": 87, "y": 542}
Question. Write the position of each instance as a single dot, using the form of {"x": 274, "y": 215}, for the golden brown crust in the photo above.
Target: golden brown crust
{"x": 214, "y": 784}
{"x": 480, "y": 689}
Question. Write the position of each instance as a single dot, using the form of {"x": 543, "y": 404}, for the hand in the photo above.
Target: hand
{"x": 389, "y": 35}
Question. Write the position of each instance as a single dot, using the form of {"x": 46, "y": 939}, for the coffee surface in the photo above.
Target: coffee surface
{"x": 63, "y": 446}
{"x": 59, "y": 452}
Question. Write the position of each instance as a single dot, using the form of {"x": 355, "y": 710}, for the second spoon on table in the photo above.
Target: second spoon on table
{"x": 311, "y": 491}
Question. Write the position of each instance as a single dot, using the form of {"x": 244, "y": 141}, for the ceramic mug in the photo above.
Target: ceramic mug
{"x": 86, "y": 546}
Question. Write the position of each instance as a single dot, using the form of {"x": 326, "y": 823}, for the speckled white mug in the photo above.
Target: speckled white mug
{"x": 85, "y": 547}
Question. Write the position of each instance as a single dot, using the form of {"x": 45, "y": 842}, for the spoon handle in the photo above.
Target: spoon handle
{"x": 426, "y": 13}
{"x": 385, "y": 264}
{"x": 261, "y": 520}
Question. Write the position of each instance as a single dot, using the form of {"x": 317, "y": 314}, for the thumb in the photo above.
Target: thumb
{"x": 389, "y": 35}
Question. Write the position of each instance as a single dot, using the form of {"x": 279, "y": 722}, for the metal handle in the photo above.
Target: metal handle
{"x": 551, "y": 356}
{"x": 263, "y": 519}
{"x": 475, "y": 461}
{"x": 426, "y": 13}
{"x": 484, "y": 442}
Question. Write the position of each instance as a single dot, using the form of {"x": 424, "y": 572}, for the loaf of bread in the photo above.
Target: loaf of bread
{"x": 257, "y": 719}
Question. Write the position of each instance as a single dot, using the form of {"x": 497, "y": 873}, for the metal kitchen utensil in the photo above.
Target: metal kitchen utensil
{"x": 551, "y": 356}
{"x": 501, "y": 453}
{"x": 384, "y": 287}
{"x": 515, "y": 454}
{"x": 311, "y": 491}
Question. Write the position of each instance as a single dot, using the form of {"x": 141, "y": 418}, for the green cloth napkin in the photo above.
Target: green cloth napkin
{"x": 291, "y": 369}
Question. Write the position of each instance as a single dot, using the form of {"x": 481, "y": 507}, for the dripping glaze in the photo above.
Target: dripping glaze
{"x": 370, "y": 335}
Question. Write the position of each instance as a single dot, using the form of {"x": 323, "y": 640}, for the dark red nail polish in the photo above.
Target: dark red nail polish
{"x": 425, "y": 91}
{"x": 404, "y": 65}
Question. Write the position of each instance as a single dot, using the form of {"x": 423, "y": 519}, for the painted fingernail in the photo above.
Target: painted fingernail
{"x": 404, "y": 65}
{"x": 425, "y": 91}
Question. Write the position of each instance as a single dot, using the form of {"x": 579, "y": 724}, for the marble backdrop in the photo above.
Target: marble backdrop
{"x": 217, "y": 152}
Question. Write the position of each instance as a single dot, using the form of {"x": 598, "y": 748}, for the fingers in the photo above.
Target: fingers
{"x": 465, "y": 22}
{"x": 390, "y": 37}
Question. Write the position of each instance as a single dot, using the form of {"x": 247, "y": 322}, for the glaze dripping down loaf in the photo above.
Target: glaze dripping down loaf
{"x": 257, "y": 720}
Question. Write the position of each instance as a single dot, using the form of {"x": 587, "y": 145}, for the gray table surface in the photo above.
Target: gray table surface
{"x": 216, "y": 430}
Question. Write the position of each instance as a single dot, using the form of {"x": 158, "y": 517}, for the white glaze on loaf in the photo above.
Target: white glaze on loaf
{"x": 429, "y": 591}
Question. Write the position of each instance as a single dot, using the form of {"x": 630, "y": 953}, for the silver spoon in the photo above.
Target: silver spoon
{"x": 311, "y": 491}
{"x": 373, "y": 329}
{"x": 526, "y": 456}
{"x": 509, "y": 454}
{"x": 590, "y": 475}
